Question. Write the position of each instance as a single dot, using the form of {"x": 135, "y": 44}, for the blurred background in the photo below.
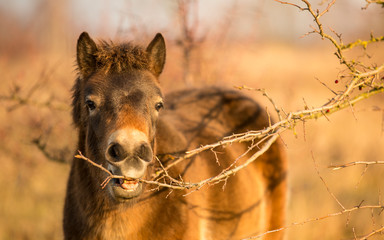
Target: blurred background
{"x": 261, "y": 44}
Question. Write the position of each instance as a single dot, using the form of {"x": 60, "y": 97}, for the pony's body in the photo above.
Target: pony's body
{"x": 246, "y": 204}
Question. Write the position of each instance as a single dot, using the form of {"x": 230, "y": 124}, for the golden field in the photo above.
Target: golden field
{"x": 38, "y": 70}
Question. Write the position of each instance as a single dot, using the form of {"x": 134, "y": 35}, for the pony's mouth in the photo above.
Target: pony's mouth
{"x": 125, "y": 189}
{"x": 127, "y": 184}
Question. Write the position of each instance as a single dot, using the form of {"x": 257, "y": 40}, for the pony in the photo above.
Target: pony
{"x": 127, "y": 125}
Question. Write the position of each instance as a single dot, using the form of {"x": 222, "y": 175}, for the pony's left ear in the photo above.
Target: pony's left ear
{"x": 156, "y": 51}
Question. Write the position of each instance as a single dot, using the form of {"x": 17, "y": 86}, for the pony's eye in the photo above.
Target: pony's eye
{"x": 90, "y": 104}
{"x": 159, "y": 106}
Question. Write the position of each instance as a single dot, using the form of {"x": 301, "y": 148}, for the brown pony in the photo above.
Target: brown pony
{"x": 118, "y": 110}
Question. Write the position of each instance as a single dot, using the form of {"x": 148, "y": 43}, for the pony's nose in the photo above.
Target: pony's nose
{"x": 128, "y": 144}
{"x": 116, "y": 152}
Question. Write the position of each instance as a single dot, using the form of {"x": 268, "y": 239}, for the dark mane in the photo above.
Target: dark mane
{"x": 123, "y": 57}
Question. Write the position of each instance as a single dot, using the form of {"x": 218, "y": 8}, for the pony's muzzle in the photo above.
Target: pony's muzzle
{"x": 128, "y": 153}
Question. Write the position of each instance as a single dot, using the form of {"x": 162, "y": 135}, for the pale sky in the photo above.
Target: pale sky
{"x": 261, "y": 18}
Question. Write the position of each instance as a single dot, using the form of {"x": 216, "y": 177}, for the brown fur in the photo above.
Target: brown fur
{"x": 124, "y": 87}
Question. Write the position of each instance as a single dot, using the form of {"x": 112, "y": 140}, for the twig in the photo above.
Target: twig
{"x": 327, "y": 9}
{"x": 292, "y": 4}
{"x": 325, "y": 85}
{"x": 264, "y": 94}
{"x": 337, "y": 167}
{"x": 349, "y": 210}
{"x": 372, "y": 233}
{"x": 325, "y": 184}
{"x": 110, "y": 175}
{"x": 361, "y": 176}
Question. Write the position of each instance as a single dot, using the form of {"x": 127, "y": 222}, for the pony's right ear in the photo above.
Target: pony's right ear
{"x": 156, "y": 51}
{"x": 86, "y": 59}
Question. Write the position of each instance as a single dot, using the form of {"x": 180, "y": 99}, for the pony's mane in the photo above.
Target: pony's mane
{"x": 115, "y": 58}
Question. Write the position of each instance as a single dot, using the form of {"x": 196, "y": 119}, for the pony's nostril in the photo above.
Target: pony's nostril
{"x": 145, "y": 152}
{"x": 113, "y": 152}
{"x": 117, "y": 152}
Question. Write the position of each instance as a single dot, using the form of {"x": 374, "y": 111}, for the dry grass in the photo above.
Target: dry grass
{"x": 33, "y": 187}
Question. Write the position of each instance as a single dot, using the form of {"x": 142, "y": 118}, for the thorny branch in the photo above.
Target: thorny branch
{"x": 180, "y": 185}
{"x": 271, "y": 133}
{"x": 289, "y": 122}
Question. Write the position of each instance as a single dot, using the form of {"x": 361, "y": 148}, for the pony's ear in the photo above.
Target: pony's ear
{"x": 86, "y": 59}
{"x": 156, "y": 51}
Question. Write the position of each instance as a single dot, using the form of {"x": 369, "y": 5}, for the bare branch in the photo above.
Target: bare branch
{"x": 325, "y": 184}
{"x": 325, "y": 85}
{"x": 292, "y": 4}
{"x": 327, "y": 9}
{"x": 264, "y": 94}
{"x": 181, "y": 185}
{"x": 337, "y": 167}
{"x": 288, "y": 122}
{"x": 362, "y": 43}
{"x": 344, "y": 211}
{"x": 372, "y": 233}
